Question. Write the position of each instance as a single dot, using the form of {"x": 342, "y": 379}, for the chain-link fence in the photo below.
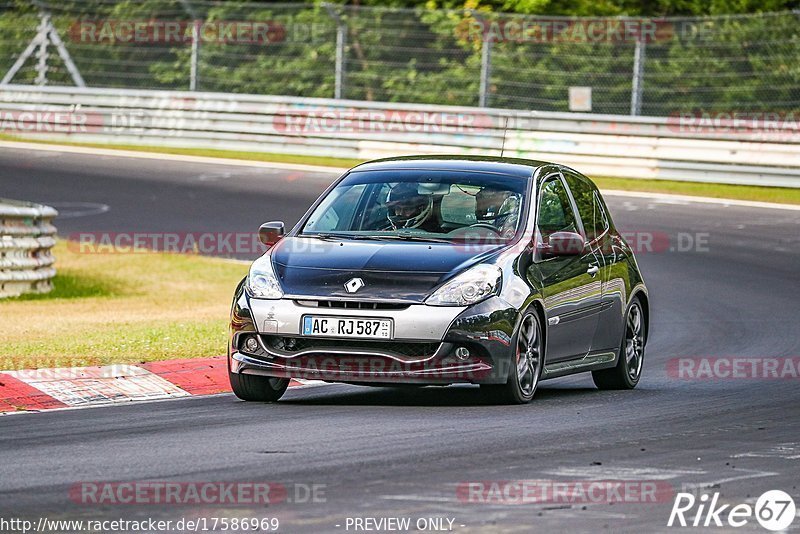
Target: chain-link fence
{"x": 638, "y": 66}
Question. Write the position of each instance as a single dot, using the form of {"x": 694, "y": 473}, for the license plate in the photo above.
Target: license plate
{"x": 347, "y": 327}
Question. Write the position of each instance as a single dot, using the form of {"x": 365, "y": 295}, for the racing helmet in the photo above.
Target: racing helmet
{"x": 407, "y": 207}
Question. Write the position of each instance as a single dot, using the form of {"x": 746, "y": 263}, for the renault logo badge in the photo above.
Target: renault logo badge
{"x": 354, "y": 285}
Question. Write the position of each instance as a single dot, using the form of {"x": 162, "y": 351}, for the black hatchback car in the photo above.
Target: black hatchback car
{"x": 438, "y": 270}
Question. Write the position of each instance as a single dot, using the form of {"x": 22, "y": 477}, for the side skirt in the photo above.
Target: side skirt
{"x": 592, "y": 362}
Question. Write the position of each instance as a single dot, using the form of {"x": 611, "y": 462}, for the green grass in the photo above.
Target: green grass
{"x": 120, "y": 308}
{"x": 118, "y": 342}
{"x": 74, "y": 286}
{"x": 781, "y": 195}
{"x": 738, "y": 192}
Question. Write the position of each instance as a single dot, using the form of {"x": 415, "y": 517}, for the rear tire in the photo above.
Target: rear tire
{"x": 628, "y": 370}
{"x": 258, "y": 388}
{"x": 527, "y": 362}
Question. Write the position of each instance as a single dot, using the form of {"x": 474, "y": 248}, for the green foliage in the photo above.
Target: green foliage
{"x": 430, "y": 51}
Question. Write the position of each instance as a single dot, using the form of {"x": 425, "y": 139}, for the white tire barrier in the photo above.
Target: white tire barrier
{"x": 27, "y": 236}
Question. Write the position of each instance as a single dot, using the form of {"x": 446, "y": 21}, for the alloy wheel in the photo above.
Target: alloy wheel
{"x": 634, "y": 341}
{"x": 529, "y": 354}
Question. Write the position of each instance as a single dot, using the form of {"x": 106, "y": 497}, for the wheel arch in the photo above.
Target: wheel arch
{"x": 538, "y": 307}
{"x": 644, "y": 298}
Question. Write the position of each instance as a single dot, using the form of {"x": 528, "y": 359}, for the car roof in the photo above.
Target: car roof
{"x": 521, "y": 168}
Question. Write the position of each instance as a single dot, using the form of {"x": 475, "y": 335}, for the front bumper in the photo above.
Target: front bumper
{"x": 423, "y": 351}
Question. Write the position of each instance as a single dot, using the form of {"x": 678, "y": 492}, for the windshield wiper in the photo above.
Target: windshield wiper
{"x": 413, "y": 237}
{"x": 339, "y": 237}
{"x": 380, "y": 237}
{"x": 324, "y": 237}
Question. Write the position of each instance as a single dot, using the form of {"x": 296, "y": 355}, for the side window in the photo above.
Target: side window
{"x": 337, "y": 210}
{"x": 555, "y": 210}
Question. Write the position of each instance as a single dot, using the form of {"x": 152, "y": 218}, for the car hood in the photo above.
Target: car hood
{"x": 390, "y": 270}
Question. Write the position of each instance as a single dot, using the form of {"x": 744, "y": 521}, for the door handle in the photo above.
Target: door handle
{"x": 593, "y": 270}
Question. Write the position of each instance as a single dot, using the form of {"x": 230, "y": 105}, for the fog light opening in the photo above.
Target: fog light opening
{"x": 251, "y": 343}
{"x": 462, "y": 353}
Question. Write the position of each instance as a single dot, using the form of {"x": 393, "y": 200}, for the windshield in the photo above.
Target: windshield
{"x": 423, "y": 205}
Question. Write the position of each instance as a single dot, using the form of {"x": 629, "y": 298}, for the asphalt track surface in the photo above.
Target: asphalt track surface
{"x": 403, "y": 453}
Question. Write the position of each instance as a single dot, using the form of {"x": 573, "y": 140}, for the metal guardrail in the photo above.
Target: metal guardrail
{"x": 737, "y": 151}
{"x": 27, "y": 236}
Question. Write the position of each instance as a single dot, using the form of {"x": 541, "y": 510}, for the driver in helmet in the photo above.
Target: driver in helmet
{"x": 409, "y": 209}
{"x": 498, "y": 208}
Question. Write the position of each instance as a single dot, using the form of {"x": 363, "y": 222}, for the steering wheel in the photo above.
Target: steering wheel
{"x": 485, "y": 225}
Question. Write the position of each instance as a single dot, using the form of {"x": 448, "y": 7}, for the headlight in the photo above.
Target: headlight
{"x": 469, "y": 287}
{"x": 261, "y": 281}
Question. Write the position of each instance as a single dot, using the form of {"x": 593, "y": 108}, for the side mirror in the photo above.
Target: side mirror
{"x": 563, "y": 244}
{"x": 271, "y": 232}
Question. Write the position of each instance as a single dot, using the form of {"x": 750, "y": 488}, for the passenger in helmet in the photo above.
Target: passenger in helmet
{"x": 499, "y": 208}
{"x": 409, "y": 209}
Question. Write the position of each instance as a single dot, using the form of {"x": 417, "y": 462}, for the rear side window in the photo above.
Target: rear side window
{"x": 601, "y": 216}
{"x": 591, "y": 214}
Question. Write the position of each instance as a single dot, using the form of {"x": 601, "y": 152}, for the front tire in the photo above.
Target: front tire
{"x": 526, "y": 368}
{"x": 258, "y": 388}
{"x": 628, "y": 370}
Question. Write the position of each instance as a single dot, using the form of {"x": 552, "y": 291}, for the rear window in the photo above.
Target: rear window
{"x": 459, "y": 206}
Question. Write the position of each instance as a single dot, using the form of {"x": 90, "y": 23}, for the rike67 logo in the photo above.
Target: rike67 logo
{"x": 774, "y": 510}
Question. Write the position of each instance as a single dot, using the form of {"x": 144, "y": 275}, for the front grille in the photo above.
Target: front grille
{"x": 289, "y": 346}
{"x": 351, "y": 305}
